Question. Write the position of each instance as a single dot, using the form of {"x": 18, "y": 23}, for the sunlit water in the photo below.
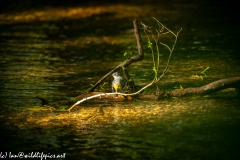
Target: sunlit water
{"x": 59, "y": 56}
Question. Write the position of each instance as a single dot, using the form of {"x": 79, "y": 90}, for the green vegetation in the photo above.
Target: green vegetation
{"x": 127, "y": 55}
{"x": 201, "y": 75}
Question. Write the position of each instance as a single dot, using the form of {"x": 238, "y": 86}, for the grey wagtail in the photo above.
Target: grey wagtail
{"x": 118, "y": 82}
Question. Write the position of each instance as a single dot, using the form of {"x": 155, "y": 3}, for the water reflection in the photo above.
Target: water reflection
{"x": 170, "y": 128}
{"x": 55, "y": 14}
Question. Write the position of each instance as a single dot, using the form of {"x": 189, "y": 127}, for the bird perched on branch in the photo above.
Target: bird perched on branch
{"x": 118, "y": 82}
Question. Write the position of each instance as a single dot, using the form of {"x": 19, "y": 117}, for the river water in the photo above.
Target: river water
{"x": 55, "y": 53}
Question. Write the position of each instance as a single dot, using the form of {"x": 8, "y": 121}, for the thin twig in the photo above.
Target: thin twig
{"x": 171, "y": 50}
{"x": 164, "y": 27}
{"x": 104, "y": 94}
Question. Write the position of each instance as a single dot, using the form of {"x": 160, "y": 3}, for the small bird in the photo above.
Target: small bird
{"x": 118, "y": 82}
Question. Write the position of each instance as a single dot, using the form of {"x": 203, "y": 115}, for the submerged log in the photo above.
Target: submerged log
{"x": 204, "y": 90}
{"x": 209, "y": 88}
{"x": 103, "y": 98}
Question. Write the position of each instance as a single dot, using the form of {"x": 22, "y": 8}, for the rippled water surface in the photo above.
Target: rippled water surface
{"x": 51, "y": 54}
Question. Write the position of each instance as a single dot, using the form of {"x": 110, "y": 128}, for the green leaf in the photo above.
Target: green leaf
{"x": 149, "y": 44}
{"x": 181, "y": 86}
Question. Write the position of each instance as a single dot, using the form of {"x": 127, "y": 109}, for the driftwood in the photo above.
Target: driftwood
{"x": 209, "y": 88}
{"x": 204, "y": 90}
{"x": 97, "y": 97}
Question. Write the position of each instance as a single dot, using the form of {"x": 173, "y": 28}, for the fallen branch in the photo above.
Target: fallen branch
{"x": 204, "y": 90}
{"x": 209, "y": 88}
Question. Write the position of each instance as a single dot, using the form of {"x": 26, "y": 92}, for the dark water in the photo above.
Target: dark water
{"x": 56, "y": 52}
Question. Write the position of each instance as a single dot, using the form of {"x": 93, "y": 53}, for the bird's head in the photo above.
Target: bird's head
{"x": 116, "y": 74}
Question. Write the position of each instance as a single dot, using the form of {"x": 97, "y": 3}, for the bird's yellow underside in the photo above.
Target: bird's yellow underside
{"x": 117, "y": 87}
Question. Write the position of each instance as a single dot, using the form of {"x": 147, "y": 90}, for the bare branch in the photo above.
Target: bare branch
{"x": 128, "y": 61}
{"x": 164, "y": 27}
{"x": 105, "y": 94}
{"x": 171, "y": 50}
{"x": 209, "y": 88}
